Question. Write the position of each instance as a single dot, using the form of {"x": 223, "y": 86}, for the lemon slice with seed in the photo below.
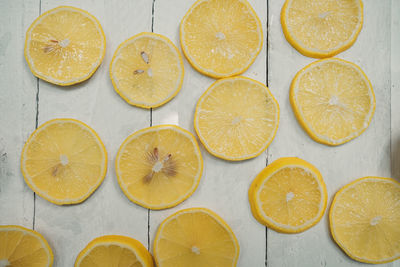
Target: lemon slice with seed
{"x": 236, "y": 118}
{"x": 365, "y": 218}
{"x": 114, "y": 250}
{"x": 65, "y": 45}
{"x": 289, "y": 195}
{"x": 22, "y": 247}
{"x": 64, "y": 161}
{"x": 159, "y": 167}
{"x": 321, "y": 28}
{"x": 221, "y": 38}
{"x": 333, "y": 100}
{"x": 147, "y": 70}
{"x": 195, "y": 237}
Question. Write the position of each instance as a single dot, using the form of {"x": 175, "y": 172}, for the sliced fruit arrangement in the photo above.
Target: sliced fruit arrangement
{"x": 221, "y": 38}
{"x": 159, "y": 167}
{"x": 22, "y": 247}
{"x": 64, "y": 161}
{"x": 147, "y": 70}
{"x": 195, "y": 237}
{"x": 321, "y": 28}
{"x": 65, "y": 45}
{"x": 333, "y": 100}
{"x": 288, "y": 196}
{"x": 114, "y": 250}
{"x": 365, "y": 218}
{"x": 236, "y": 118}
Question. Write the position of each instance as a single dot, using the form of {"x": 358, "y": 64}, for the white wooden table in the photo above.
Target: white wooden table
{"x": 26, "y": 102}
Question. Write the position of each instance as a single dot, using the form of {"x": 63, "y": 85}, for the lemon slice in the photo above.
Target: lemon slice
{"x": 221, "y": 38}
{"x": 195, "y": 237}
{"x": 288, "y": 196}
{"x": 114, "y": 250}
{"x": 22, "y": 247}
{"x": 321, "y": 28}
{"x": 65, "y": 45}
{"x": 365, "y": 218}
{"x": 64, "y": 161}
{"x": 147, "y": 70}
{"x": 333, "y": 100}
{"x": 159, "y": 167}
{"x": 236, "y": 118}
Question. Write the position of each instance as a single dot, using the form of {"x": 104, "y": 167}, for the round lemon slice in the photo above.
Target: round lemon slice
{"x": 236, "y": 118}
{"x": 195, "y": 237}
{"x": 22, "y": 247}
{"x": 65, "y": 45}
{"x": 288, "y": 196}
{"x": 321, "y": 28}
{"x": 365, "y": 218}
{"x": 333, "y": 100}
{"x": 221, "y": 38}
{"x": 64, "y": 161}
{"x": 147, "y": 70}
{"x": 159, "y": 167}
{"x": 114, "y": 250}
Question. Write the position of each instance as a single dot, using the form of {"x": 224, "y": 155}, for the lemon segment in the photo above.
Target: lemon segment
{"x": 114, "y": 250}
{"x": 64, "y": 161}
{"x": 221, "y": 38}
{"x": 236, "y": 118}
{"x": 147, "y": 70}
{"x": 321, "y": 28}
{"x": 333, "y": 100}
{"x": 159, "y": 167}
{"x": 288, "y": 196}
{"x": 195, "y": 237}
{"x": 21, "y": 247}
{"x": 365, "y": 217}
{"x": 65, "y": 45}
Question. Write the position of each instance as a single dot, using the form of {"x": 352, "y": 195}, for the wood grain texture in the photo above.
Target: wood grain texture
{"x": 395, "y": 89}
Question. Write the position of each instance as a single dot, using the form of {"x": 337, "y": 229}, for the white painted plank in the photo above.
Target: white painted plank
{"x": 368, "y": 154}
{"x": 224, "y": 184}
{"x": 395, "y": 90}
{"x": 17, "y": 109}
{"x": 94, "y": 102}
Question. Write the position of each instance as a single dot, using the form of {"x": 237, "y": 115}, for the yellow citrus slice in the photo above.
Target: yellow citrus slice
{"x": 236, "y": 118}
{"x": 221, "y": 38}
{"x": 321, "y": 28}
{"x": 289, "y": 195}
{"x": 64, "y": 161}
{"x": 114, "y": 250}
{"x": 22, "y": 247}
{"x": 65, "y": 45}
{"x": 333, "y": 100}
{"x": 159, "y": 167}
{"x": 195, "y": 237}
{"x": 365, "y": 218}
{"x": 147, "y": 70}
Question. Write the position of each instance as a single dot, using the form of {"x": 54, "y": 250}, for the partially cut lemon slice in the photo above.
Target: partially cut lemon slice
{"x": 221, "y": 38}
{"x": 321, "y": 28}
{"x": 147, "y": 70}
{"x": 22, "y": 247}
{"x": 333, "y": 100}
{"x": 365, "y": 218}
{"x": 289, "y": 195}
{"x": 65, "y": 45}
{"x": 114, "y": 250}
{"x": 159, "y": 167}
{"x": 64, "y": 161}
{"x": 195, "y": 237}
{"x": 236, "y": 118}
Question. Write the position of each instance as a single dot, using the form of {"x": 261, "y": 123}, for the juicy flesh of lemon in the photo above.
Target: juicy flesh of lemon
{"x": 366, "y": 218}
{"x": 106, "y": 255}
{"x": 221, "y": 36}
{"x": 65, "y": 46}
{"x": 323, "y": 25}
